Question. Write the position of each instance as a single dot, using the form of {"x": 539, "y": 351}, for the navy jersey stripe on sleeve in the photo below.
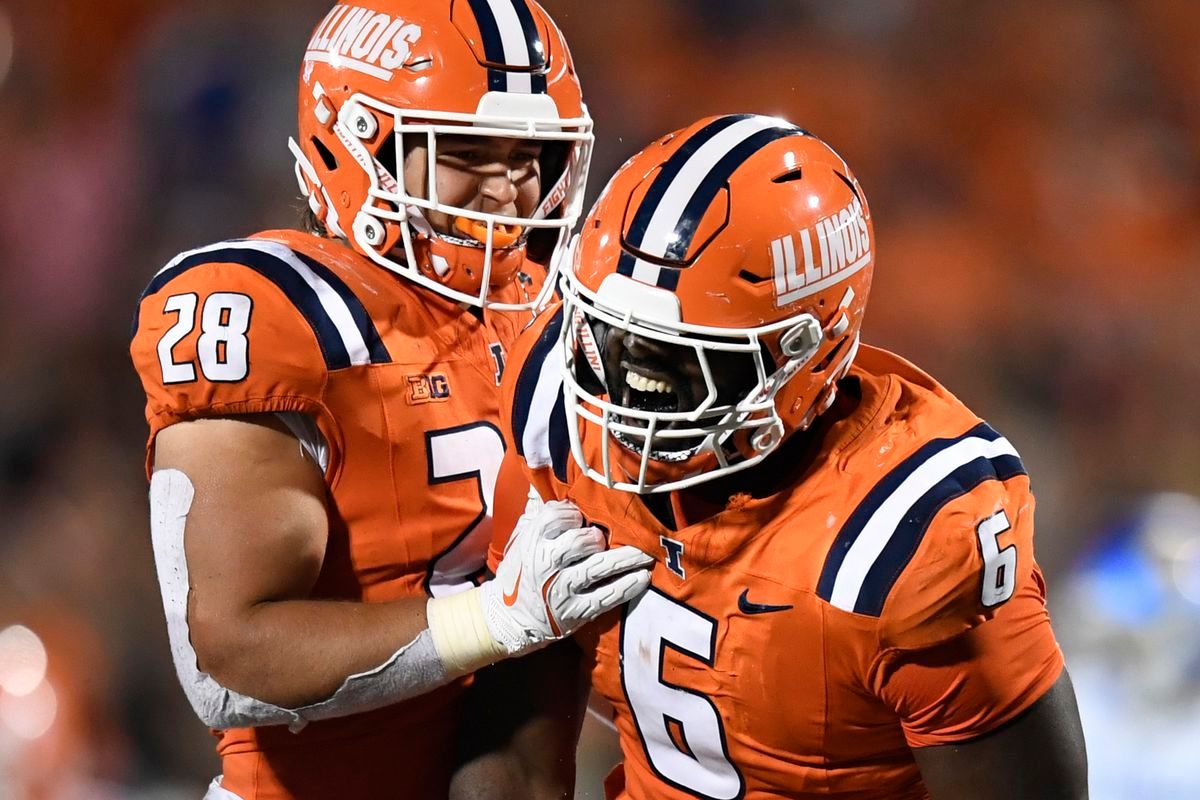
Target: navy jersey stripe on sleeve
{"x": 904, "y": 540}
{"x": 527, "y": 381}
{"x": 302, "y": 296}
{"x": 362, "y": 319}
{"x": 908, "y": 536}
{"x": 560, "y": 439}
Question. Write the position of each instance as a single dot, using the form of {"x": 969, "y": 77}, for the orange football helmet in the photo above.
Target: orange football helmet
{"x": 744, "y": 240}
{"x": 380, "y": 74}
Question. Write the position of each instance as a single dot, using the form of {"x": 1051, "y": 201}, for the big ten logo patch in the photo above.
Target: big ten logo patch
{"x": 431, "y": 388}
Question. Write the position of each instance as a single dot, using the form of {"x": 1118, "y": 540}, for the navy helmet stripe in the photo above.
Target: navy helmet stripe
{"x": 626, "y": 263}
{"x": 527, "y": 381}
{"x": 362, "y": 319}
{"x": 908, "y": 536}
{"x": 514, "y": 24}
{"x": 693, "y": 212}
{"x": 533, "y": 37}
{"x": 670, "y": 170}
{"x": 493, "y": 45}
{"x": 666, "y": 174}
{"x": 662, "y": 276}
{"x": 1002, "y": 466}
{"x": 692, "y": 178}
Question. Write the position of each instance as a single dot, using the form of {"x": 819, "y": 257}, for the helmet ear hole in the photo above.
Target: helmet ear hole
{"x": 325, "y": 153}
{"x": 386, "y": 156}
{"x": 830, "y": 356}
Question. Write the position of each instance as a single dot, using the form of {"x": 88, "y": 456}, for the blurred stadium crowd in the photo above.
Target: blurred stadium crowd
{"x": 1034, "y": 172}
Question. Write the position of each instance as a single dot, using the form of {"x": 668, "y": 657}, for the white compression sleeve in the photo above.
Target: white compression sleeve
{"x": 416, "y": 668}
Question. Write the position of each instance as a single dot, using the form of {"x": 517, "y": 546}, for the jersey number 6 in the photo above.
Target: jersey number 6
{"x": 222, "y": 349}
{"x": 680, "y": 728}
{"x": 999, "y": 566}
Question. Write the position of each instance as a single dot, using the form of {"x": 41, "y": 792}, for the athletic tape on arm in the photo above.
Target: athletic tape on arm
{"x": 414, "y": 669}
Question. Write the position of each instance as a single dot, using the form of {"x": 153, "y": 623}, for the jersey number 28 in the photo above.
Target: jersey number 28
{"x": 222, "y": 349}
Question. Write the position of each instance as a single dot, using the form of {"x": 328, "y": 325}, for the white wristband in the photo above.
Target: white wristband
{"x": 460, "y": 633}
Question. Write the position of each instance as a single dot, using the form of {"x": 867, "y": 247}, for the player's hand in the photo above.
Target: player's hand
{"x": 557, "y": 575}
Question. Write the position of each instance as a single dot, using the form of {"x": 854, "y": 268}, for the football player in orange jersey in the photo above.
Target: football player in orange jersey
{"x": 846, "y": 602}
{"x": 323, "y": 409}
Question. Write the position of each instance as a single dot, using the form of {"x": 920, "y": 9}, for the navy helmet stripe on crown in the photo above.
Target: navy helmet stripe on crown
{"x": 511, "y": 39}
{"x": 534, "y": 44}
{"x": 527, "y": 381}
{"x": 667, "y": 218}
{"x": 493, "y": 45}
{"x": 666, "y": 175}
{"x": 335, "y": 342}
{"x": 868, "y": 593}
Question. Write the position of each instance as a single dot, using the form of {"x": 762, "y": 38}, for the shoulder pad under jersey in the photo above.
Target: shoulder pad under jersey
{"x": 939, "y": 543}
{"x": 532, "y": 411}
{"x": 246, "y": 326}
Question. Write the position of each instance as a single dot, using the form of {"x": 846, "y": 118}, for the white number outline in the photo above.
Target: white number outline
{"x": 999, "y": 579}
{"x": 664, "y": 642}
{"x": 479, "y": 530}
{"x": 183, "y": 306}
{"x": 212, "y": 333}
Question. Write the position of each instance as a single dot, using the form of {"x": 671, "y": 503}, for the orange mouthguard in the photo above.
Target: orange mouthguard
{"x": 502, "y": 235}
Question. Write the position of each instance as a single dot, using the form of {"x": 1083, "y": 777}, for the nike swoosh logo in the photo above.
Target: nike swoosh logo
{"x": 510, "y": 599}
{"x": 746, "y": 607}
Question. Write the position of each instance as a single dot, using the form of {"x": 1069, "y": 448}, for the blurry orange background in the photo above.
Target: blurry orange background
{"x": 1033, "y": 169}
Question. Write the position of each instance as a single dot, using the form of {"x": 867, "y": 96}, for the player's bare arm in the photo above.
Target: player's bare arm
{"x": 255, "y": 541}
{"x": 521, "y": 739}
{"x": 523, "y": 747}
{"x": 254, "y": 531}
{"x": 1039, "y": 756}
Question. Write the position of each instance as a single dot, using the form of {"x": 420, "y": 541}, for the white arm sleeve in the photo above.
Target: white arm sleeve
{"x": 414, "y": 669}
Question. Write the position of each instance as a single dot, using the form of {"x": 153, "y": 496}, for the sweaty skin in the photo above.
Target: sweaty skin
{"x": 675, "y": 365}
{"x": 253, "y": 558}
{"x": 490, "y": 174}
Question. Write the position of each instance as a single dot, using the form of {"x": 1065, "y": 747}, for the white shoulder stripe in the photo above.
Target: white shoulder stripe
{"x": 331, "y": 301}
{"x": 535, "y": 442}
{"x": 878, "y": 530}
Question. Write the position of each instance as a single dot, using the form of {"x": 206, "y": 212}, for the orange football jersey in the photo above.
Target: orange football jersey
{"x": 403, "y": 387}
{"x": 797, "y": 645}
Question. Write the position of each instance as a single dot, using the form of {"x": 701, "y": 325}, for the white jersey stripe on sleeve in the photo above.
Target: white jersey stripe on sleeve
{"x": 870, "y": 543}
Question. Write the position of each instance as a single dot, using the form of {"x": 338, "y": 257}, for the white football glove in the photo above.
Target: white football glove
{"x": 555, "y": 576}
